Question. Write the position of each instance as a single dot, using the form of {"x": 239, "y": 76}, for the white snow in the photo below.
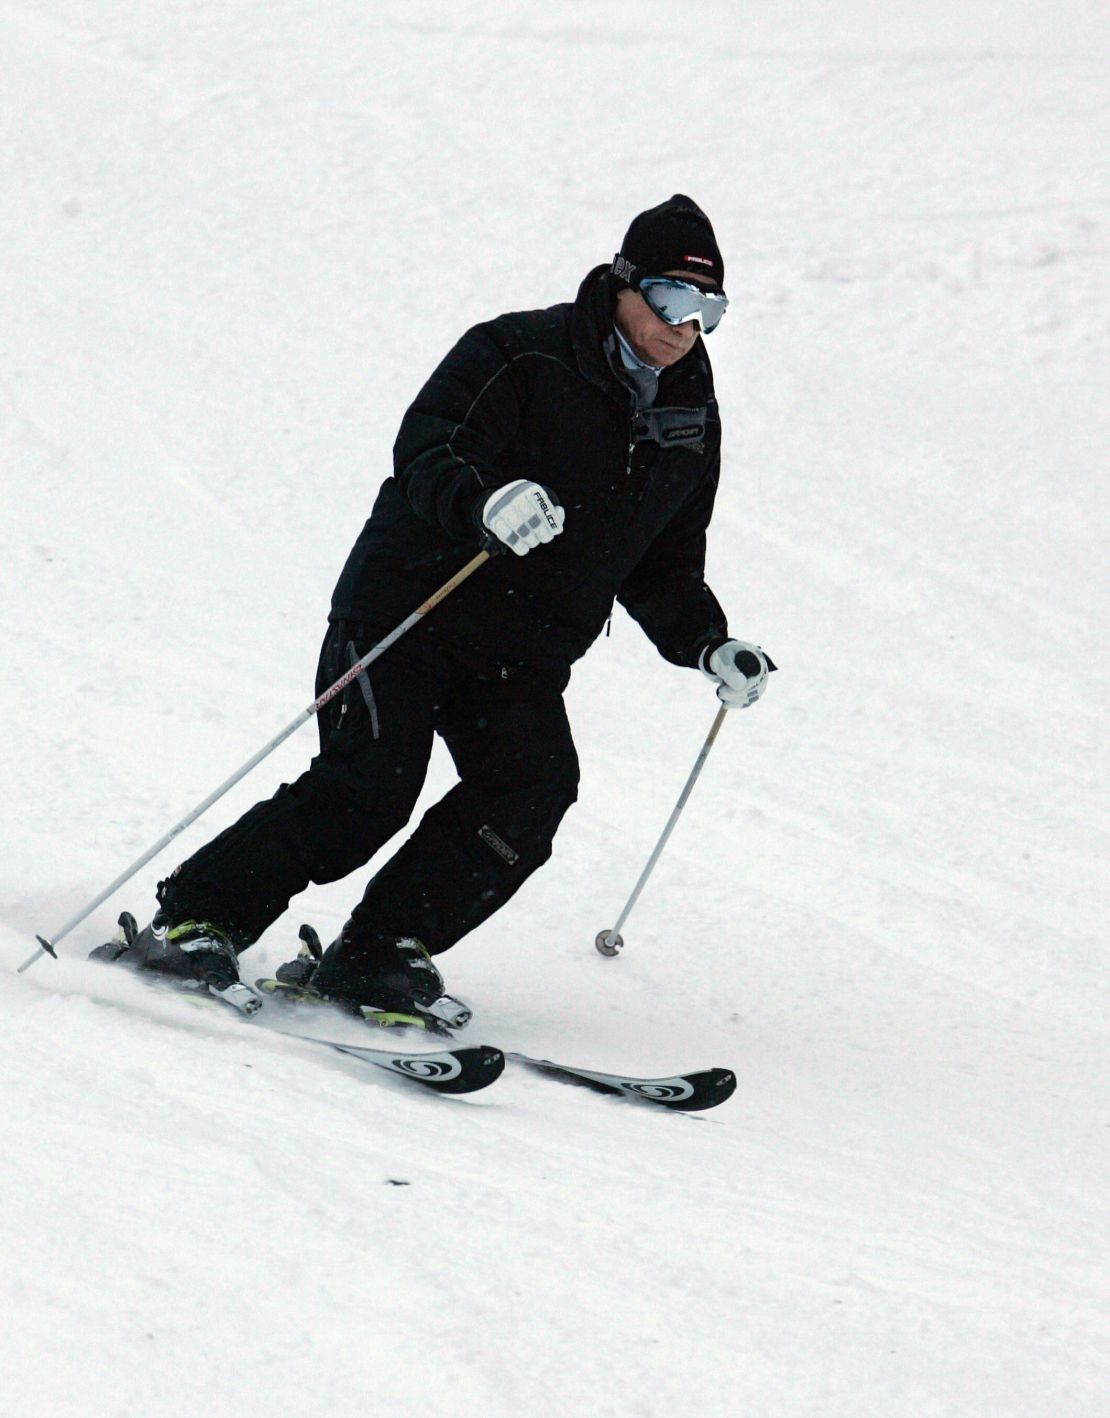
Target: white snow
{"x": 236, "y": 239}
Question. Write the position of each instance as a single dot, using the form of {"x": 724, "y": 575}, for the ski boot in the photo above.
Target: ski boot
{"x": 397, "y": 985}
{"x": 193, "y": 955}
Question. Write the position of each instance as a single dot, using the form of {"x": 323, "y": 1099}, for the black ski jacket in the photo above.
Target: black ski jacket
{"x": 540, "y": 395}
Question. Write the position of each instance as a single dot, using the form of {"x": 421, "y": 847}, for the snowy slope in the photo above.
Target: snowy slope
{"x": 236, "y": 240}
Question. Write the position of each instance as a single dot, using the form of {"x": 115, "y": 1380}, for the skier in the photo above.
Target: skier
{"x": 584, "y": 441}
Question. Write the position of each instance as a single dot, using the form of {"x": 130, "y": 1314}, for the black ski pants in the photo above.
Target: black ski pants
{"x": 508, "y": 734}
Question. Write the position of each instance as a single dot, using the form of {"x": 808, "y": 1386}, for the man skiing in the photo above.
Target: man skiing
{"x": 584, "y": 441}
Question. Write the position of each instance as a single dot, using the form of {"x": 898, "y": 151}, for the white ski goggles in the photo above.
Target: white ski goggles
{"x": 676, "y": 302}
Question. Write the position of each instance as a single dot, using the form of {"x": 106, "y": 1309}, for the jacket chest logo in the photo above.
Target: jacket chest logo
{"x": 670, "y": 428}
{"x": 684, "y": 434}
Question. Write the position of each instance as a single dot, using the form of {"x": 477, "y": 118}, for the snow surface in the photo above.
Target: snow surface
{"x": 236, "y": 239}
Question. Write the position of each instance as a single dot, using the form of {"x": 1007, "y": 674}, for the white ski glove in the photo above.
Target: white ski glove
{"x": 740, "y": 672}
{"x": 523, "y": 515}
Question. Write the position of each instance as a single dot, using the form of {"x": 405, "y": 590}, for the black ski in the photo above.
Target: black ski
{"x": 686, "y": 1092}
{"x": 683, "y": 1092}
{"x": 459, "y": 1070}
{"x": 452, "y": 1068}
{"x": 463, "y": 1068}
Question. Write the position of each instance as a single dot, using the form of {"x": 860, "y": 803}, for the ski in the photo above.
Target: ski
{"x": 449, "y": 1069}
{"x": 682, "y": 1092}
{"x": 467, "y": 1068}
{"x": 461, "y": 1070}
{"x": 470, "y": 1067}
{"x": 687, "y": 1092}
{"x": 452, "y": 1068}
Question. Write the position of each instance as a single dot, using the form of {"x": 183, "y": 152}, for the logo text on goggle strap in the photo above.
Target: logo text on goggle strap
{"x": 700, "y": 260}
{"x": 623, "y": 268}
{"x": 502, "y": 848}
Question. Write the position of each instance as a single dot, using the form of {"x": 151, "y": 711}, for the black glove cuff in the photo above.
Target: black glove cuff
{"x": 478, "y": 507}
{"x": 710, "y": 649}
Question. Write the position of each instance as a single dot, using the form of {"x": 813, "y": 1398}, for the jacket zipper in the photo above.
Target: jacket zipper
{"x": 631, "y": 437}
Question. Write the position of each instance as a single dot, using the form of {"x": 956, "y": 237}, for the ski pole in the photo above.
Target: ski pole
{"x": 46, "y": 946}
{"x": 611, "y": 942}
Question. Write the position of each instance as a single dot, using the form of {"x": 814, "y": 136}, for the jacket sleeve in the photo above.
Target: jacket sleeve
{"x": 666, "y": 592}
{"x": 446, "y": 449}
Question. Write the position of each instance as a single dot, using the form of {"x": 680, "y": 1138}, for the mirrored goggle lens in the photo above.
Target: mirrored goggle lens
{"x": 678, "y": 301}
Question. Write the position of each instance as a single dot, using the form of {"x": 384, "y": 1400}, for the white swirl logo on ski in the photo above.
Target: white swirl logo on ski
{"x": 670, "y": 1092}
{"x": 439, "y": 1069}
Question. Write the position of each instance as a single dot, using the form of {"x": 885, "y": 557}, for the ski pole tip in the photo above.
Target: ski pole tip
{"x": 609, "y": 943}
{"x": 44, "y": 946}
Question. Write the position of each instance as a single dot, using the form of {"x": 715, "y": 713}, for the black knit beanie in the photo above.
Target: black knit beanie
{"x": 675, "y": 236}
